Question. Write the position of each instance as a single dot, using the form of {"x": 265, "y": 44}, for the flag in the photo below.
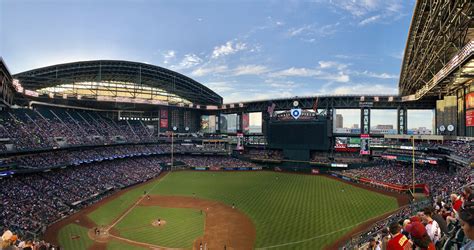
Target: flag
{"x": 270, "y": 109}
{"x": 315, "y": 105}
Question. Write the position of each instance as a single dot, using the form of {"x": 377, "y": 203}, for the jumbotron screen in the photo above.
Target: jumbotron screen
{"x": 298, "y": 134}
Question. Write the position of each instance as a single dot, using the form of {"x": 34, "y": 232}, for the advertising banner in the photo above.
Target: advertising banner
{"x": 338, "y": 165}
{"x": 164, "y": 114}
{"x": 205, "y": 123}
{"x": 163, "y": 123}
{"x": 245, "y": 123}
{"x": 240, "y": 141}
{"x": 470, "y": 101}
{"x": 364, "y": 144}
{"x": 470, "y": 118}
{"x": 314, "y": 171}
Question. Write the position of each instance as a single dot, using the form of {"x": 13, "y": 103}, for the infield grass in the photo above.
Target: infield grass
{"x": 74, "y": 237}
{"x": 183, "y": 226}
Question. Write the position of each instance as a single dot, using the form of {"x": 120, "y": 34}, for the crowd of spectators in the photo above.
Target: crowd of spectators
{"x": 441, "y": 225}
{"x": 214, "y": 161}
{"x": 46, "y": 128}
{"x": 460, "y": 148}
{"x": 433, "y": 224}
{"x": 264, "y": 154}
{"x": 59, "y": 158}
{"x": 440, "y": 181}
{"x": 29, "y": 202}
{"x": 11, "y": 241}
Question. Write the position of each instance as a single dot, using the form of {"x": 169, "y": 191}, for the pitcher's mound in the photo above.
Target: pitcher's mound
{"x": 99, "y": 234}
{"x": 158, "y": 223}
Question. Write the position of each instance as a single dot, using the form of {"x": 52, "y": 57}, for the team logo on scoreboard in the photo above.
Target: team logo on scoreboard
{"x": 296, "y": 113}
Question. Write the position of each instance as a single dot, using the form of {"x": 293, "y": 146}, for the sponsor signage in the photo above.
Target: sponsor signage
{"x": 338, "y": 165}
{"x": 364, "y": 144}
{"x": 299, "y": 113}
{"x": 470, "y": 101}
{"x": 296, "y": 113}
{"x": 200, "y": 168}
{"x": 389, "y": 157}
{"x": 314, "y": 171}
{"x": 164, "y": 123}
{"x": 366, "y": 104}
{"x": 257, "y": 168}
{"x": 470, "y": 118}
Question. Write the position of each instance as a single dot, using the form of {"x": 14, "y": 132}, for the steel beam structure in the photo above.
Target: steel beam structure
{"x": 139, "y": 76}
{"x": 439, "y": 31}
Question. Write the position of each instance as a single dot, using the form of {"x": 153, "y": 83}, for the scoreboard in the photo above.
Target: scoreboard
{"x": 299, "y": 134}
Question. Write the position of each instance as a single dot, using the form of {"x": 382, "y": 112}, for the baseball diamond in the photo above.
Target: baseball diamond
{"x": 312, "y": 208}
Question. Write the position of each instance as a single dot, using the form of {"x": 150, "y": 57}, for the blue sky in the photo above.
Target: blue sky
{"x": 244, "y": 50}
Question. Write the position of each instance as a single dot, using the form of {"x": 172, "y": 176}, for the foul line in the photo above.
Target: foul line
{"x": 135, "y": 204}
{"x": 140, "y": 243}
{"x": 316, "y": 237}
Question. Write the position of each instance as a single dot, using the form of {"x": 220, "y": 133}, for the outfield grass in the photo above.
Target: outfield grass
{"x": 307, "y": 211}
{"x": 183, "y": 226}
{"x": 285, "y": 207}
{"x": 65, "y": 237}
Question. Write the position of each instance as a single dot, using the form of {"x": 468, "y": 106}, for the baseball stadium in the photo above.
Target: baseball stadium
{"x": 119, "y": 154}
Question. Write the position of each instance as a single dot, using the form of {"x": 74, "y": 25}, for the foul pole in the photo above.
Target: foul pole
{"x": 413, "y": 162}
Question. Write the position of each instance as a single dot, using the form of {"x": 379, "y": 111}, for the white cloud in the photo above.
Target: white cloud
{"x": 318, "y": 74}
{"x": 170, "y": 54}
{"x": 398, "y": 55}
{"x": 339, "y": 77}
{"x": 202, "y": 71}
{"x": 189, "y": 61}
{"x": 227, "y": 49}
{"x": 256, "y": 94}
{"x": 310, "y": 32}
{"x": 375, "y": 75}
{"x": 332, "y": 64}
{"x": 220, "y": 87}
{"x": 250, "y": 70}
{"x": 361, "y": 89}
{"x": 279, "y": 23}
{"x": 297, "y": 31}
{"x": 299, "y": 72}
{"x": 357, "y": 8}
{"x": 369, "y": 20}
{"x": 283, "y": 85}
{"x": 370, "y": 11}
